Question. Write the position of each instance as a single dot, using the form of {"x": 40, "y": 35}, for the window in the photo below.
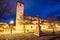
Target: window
{"x": 36, "y": 23}
{"x": 31, "y": 26}
{"x": 20, "y": 4}
{"x": 27, "y": 30}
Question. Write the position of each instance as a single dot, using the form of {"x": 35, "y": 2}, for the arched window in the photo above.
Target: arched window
{"x": 31, "y": 27}
{"x": 20, "y": 4}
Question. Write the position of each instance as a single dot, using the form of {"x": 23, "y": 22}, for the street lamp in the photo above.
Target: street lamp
{"x": 11, "y": 23}
{"x": 39, "y": 26}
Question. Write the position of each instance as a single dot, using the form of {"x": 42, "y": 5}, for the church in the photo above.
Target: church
{"x": 21, "y": 24}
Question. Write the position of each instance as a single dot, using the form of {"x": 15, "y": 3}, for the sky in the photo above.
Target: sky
{"x": 42, "y": 8}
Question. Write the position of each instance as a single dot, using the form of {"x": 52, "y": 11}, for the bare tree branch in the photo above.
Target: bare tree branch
{"x": 5, "y": 7}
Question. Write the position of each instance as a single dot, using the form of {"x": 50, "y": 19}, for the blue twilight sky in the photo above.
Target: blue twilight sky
{"x": 42, "y": 8}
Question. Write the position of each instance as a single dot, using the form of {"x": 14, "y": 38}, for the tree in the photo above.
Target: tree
{"x": 5, "y": 7}
{"x": 52, "y": 20}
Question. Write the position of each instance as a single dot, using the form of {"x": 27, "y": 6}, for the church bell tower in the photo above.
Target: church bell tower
{"x": 19, "y": 15}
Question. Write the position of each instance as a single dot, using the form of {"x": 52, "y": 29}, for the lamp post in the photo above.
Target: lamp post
{"x": 11, "y": 23}
{"x": 39, "y": 26}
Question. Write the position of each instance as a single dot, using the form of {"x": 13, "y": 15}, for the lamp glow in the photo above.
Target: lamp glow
{"x": 11, "y": 22}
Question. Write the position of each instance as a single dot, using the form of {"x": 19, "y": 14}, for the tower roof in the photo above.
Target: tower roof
{"x": 20, "y": 2}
